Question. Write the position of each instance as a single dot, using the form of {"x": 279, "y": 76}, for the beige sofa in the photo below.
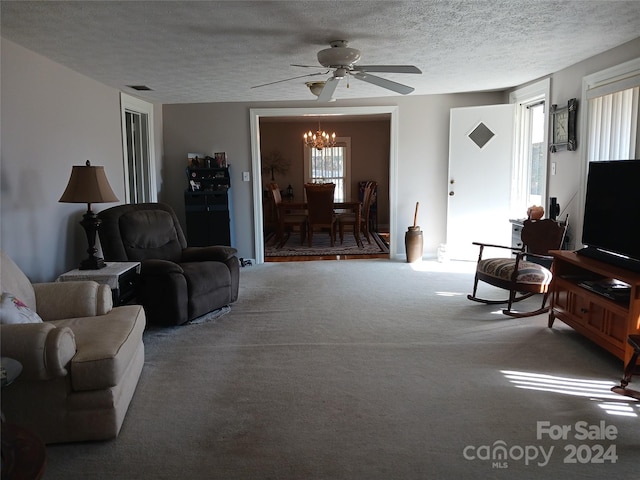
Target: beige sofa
{"x": 81, "y": 363}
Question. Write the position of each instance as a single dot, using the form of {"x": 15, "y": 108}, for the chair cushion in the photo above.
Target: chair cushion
{"x": 150, "y": 234}
{"x": 528, "y": 272}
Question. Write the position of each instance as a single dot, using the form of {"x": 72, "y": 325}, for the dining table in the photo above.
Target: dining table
{"x": 338, "y": 207}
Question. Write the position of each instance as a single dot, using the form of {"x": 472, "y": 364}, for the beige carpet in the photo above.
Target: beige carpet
{"x": 371, "y": 369}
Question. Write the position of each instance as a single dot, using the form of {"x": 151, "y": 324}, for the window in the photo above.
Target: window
{"x": 609, "y": 121}
{"x": 529, "y": 178}
{"x": 535, "y": 154}
{"x": 330, "y": 165}
{"x": 613, "y": 123}
{"x": 137, "y": 143}
{"x": 138, "y": 147}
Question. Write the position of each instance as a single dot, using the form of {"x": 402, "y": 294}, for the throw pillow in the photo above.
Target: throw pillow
{"x": 12, "y": 310}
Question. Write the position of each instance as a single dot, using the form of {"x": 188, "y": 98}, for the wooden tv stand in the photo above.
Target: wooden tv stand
{"x": 606, "y": 317}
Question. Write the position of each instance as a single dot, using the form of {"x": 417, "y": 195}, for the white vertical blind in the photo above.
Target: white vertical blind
{"x": 328, "y": 166}
{"x": 613, "y": 125}
{"x": 331, "y": 164}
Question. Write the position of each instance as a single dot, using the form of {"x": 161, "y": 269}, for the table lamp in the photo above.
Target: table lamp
{"x": 89, "y": 184}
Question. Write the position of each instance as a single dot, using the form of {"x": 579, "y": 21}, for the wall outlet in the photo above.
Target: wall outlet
{"x": 245, "y": 176}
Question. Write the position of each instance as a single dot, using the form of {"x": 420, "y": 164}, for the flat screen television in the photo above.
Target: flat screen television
{"x": 612, "y": 213}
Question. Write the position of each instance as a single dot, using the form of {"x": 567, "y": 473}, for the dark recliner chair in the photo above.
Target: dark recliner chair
{"x": 177, "y": 283}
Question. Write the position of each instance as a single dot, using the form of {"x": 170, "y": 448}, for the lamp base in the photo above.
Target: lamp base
{"x": 92, "y": 263}
{"x": 90, "y": 222}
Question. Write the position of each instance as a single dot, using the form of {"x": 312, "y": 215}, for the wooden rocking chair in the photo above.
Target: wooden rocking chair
{"x": 526, "y": 274}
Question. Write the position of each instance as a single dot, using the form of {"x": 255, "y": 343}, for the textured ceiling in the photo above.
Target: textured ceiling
{"x": 211, "y": 51}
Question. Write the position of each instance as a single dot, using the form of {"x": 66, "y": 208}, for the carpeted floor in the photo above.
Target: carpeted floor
{"x": 322, "y": 246}
{"x": 371, "y": 370}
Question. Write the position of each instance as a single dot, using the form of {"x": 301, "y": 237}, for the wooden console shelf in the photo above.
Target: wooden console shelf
{"x": 605, "y": 316}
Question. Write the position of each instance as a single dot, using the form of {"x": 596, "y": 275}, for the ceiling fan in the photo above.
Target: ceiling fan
{"x": 342, "y": 59}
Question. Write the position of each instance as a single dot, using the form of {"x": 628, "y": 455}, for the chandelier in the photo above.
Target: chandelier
{"x": 320, "y": 139}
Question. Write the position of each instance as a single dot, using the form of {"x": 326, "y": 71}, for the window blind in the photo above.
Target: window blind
{"x": 613, "y": 120}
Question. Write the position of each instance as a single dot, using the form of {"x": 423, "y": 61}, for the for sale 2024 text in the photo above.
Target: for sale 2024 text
{"x": 586, "y": 443}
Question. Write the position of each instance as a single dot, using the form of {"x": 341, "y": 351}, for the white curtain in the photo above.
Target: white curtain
{"x": 328, "y": 165}
{"x": 613, "y": 124}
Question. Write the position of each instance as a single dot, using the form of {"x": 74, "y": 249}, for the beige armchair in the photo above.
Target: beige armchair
{"x": 81, "y": 363}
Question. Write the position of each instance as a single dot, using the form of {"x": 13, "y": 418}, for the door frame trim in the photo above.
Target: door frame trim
{"x": 254, "y": 117}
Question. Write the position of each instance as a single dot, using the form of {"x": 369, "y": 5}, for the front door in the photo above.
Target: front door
{"x": 480, "y": 160}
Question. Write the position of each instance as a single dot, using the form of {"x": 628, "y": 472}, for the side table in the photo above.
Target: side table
{"x": 23, "y": 454}
{"x": 10, "y": 369}
{"x": 122, "y": 278}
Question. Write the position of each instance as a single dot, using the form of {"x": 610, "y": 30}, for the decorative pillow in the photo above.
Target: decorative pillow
{"x": 12, "y": 310}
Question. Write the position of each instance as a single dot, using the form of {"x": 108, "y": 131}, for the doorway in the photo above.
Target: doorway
{"x": 256, "y": 165}
{"x": 480, "y": 158}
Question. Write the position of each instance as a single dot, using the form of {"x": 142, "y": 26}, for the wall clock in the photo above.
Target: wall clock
{"x": 563, "y": 126}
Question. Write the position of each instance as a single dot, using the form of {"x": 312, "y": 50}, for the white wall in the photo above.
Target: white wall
{"x": 52, "y": 118}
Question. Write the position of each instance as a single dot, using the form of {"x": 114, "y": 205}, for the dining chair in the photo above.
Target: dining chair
{"x": 373, "y": 209}
{"x": 525, "y": 275}
{"x": 320, "y": 213}
{"x": 350, "y": 218}
{"x": 286, "y": 222}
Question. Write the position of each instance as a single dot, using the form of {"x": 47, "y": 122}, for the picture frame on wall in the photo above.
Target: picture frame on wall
{"x": 220, "y": 159}
{"x": 563, "y": 127}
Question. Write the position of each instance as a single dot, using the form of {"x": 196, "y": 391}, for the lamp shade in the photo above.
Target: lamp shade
{"x": 88, "y": 184}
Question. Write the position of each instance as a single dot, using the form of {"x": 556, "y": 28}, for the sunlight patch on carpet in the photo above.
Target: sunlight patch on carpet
{"x": 598, "y": 390}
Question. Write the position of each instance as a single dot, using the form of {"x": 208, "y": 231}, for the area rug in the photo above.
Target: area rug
{"x": 322, "y": 246}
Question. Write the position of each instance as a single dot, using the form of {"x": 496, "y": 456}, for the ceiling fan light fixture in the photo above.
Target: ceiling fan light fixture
{"x": 341, "y": 59}
{"x": 315, "y": 87}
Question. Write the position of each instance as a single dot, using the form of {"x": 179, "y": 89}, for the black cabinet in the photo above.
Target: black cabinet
{"x": 516, "y": 230}
{"x": 208, "y": 207}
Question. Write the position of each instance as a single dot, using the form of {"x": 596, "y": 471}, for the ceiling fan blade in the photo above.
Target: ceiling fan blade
{"x": 305, "y": 66}
{"x": 292, "y": 78}
{"x": 384, "y": 83}
{"x": 326, "y": 95}
{"x": 387, "y": 68}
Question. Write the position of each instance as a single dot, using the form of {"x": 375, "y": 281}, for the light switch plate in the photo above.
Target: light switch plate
{"x": 245, "y": 176}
